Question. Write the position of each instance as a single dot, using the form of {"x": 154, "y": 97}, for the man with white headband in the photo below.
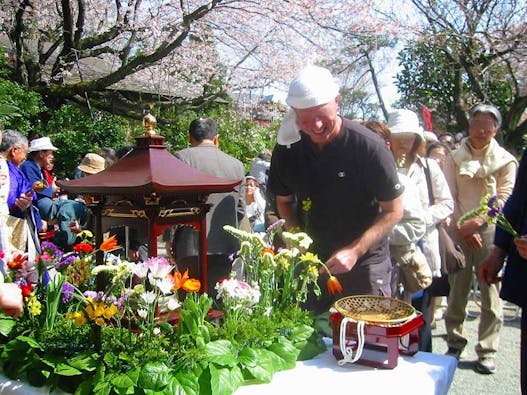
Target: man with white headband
{"x": 336, "y": 179}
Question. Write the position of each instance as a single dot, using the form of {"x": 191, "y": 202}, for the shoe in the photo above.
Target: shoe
{"x": 485, "y": 366}
{"x": 454, "y": 352}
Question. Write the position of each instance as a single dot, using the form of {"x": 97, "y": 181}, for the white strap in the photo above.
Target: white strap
{"x": 347, "y": 352}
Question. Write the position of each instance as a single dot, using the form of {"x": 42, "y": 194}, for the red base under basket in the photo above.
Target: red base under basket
{"x": 386, "y": 341}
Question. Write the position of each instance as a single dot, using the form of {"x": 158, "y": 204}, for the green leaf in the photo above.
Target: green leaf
{"x": 153, "y": 376}
{"x": 221, "y": 352}
{"x": 63, "y": 369}
{"x": 311, "y": 348}
{"x": 86, "y": 360}
{"x": 182, "y": 384}
{"x": 287, "y": 353}
{"x": 300, "y": 333}
{"x": 125, "y": 383}
{"x": 258, "y": 363}
{"x": 224, "y": 381}
{"x": 6, "y": 324}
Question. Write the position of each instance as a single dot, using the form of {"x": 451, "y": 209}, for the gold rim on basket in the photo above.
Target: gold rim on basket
{"x": 374, "y": 309}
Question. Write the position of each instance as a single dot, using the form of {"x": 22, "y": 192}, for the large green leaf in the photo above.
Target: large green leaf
{"x": 64, "y": 369}
{"x": 220, "y": 352}
{"x": 224, "y": 381}
{"x": 86, "y": 360}
{"x": 154, "y": 376}
{"x": 125, "y": 383}
{"x": 286, "y": 351}
{"x": 258, "y": 363}
{"x": 300, "y": 333}
{"x": 311, "y": 348}
{"x": 182, "y": 384}
{"x": 6, "y": 324}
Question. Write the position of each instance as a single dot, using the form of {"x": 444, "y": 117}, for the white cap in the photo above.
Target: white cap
{"x": 312, "y": 87}
{"x": 404, "y": 121}
{"x": 41, "y": 144}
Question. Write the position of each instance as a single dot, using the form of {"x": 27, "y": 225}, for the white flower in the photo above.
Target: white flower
{"x": 148, "y": 297}
{"x": 165, "y": 285}
{"x": 156, "y": 331}
{"x": 143, "y": 313}
{"x": 173, "y": 304}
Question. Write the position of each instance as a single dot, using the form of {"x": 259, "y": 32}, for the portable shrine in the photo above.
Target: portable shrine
{"x": 147, "y": 191}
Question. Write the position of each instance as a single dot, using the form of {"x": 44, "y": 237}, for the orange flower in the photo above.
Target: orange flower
{"x": 109, "y": 244}
{"x": 17, "y": 262}
{"x": 334, "y": 285}
{"x": 192, "y": 285}
{"x": 269, "y": 250}
{"x": 179, "y": 279}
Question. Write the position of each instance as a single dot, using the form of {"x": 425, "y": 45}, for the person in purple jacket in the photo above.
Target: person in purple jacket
{"x": 20, "y": 196}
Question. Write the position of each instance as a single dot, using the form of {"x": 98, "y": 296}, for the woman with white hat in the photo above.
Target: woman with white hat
{"x": 407, "y": 140}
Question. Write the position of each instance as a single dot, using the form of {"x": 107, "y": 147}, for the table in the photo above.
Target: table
{"x": 423, "y": 373}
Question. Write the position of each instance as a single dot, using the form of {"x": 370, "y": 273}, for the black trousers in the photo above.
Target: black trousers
{"x": 423, "y": 303}
{"x": 523, "y": 352}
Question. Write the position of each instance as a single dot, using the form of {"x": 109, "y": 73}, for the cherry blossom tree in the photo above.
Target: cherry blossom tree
{"x": 107, "y": 52}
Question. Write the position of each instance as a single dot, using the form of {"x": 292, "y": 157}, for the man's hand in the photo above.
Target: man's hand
{"x": 490, "y": 267}
{"x": 521, "y": 245}
{"x": 470, "y": 227}
{"x": 11, "y": 299}
{"x": 474, "y": 241}
{"x": 343, "y": 260}
{"x": 23, "y": 201}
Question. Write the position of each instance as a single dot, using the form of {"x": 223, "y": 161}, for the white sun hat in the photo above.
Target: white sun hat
{"x": 41, "y": 144}
{"x": 313, "y": 86}
{"x": 404, "y": 121}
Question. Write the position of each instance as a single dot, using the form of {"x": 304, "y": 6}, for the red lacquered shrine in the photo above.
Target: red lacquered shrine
{"x": 149, "y": 189}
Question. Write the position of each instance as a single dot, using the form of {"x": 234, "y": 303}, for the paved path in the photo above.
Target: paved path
{"x": 506, "y": 381}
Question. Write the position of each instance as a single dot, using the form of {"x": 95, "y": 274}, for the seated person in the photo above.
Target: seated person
{"x": 61, "y": 212}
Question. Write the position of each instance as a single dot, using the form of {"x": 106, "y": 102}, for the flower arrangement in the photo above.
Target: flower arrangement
{"x": 141, "y": 327}
{"x": 490, "y": 209}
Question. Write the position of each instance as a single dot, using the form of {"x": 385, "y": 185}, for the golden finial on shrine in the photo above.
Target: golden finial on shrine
{"x": 149, "y": 123}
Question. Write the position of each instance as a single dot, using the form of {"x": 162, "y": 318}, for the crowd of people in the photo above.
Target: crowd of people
{"x": 377, "y": 194}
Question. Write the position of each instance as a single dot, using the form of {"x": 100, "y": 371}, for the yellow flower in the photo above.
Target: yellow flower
{"x": 35, "y": 307}
{"x": 309, "y": 257}
{"x": 110, "y": 311}
{"x": 78, "y": 317}
{"x": 312, "y": 272}
{"x": 99, "y": 321}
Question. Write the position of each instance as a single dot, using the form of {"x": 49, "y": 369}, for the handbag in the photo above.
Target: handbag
{"x": 415, "y": 269}
{"x": 452, "y": 256}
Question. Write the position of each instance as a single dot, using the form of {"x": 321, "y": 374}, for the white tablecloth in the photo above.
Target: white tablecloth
{"x": 423, "y": 373}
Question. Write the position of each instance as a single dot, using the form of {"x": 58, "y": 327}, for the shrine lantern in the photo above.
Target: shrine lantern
{"x": 149, "y": 190}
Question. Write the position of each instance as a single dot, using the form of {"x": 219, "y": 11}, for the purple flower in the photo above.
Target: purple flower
{"x": 66, "y": 260}
{"x": 45, "y": 278}
{"x": 493, "y": 212}
{"x": 233, "y": 256}
{"x": 51, "y": 249}
{"x": 274, "y": 225}
{"x": 493, "y": 201}
{"x": 67, "y": 292}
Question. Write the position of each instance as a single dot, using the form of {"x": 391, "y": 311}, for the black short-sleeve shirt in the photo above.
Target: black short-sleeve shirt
{"x": 344, "y": 181}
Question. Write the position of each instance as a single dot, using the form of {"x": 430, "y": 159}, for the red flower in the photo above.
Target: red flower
{"x": 2, "y": 255}
{"x": 17, "y": 262}
{"x": 83, "y": 247}
{"x": 26, "y": 289}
